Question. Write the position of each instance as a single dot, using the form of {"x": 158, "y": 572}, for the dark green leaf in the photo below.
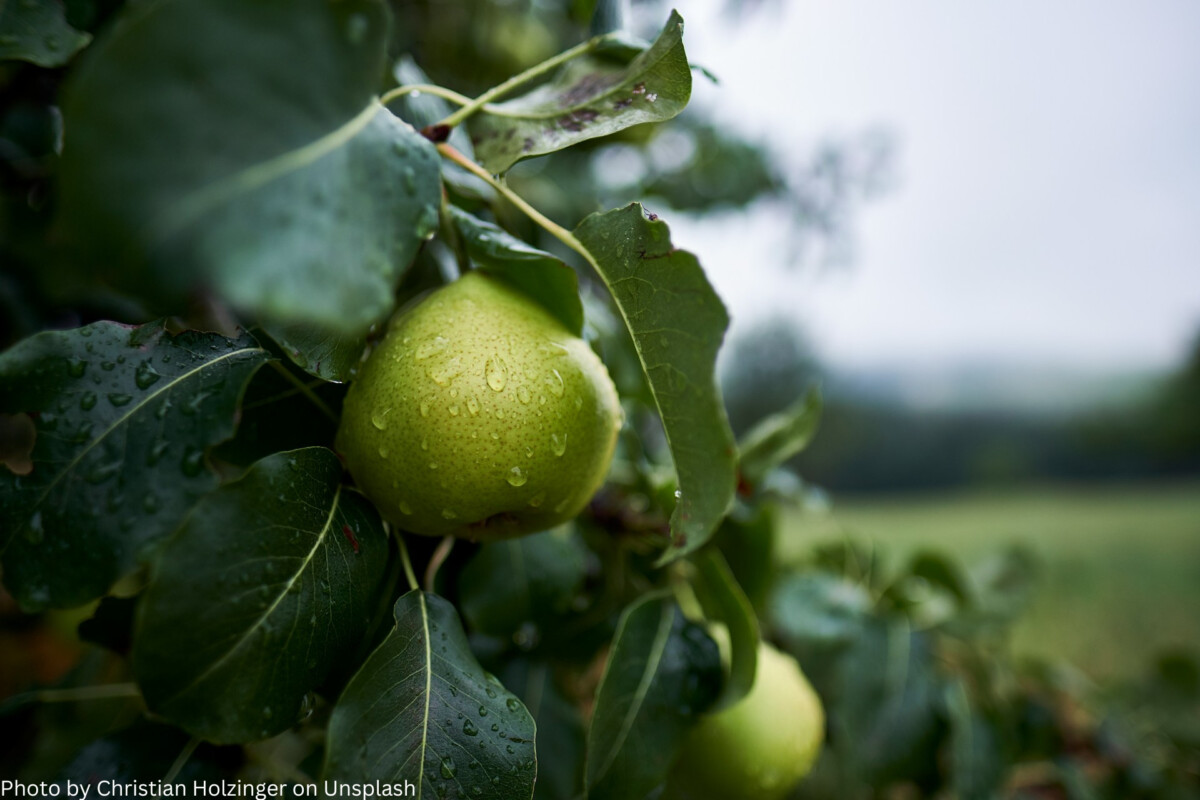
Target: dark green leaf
{"x": 321, "y": 351}
{"x": 123, "y": 418}
{"x": 421, "y": 709}
{"x": 592, "y": 96}
{"x": 147, "y": 751}
{"x": 747, "y": 540}
{"x": 818, "y": 609}
{"x": 269, "y": 582}
{"x": 239, "y": 147}
{"x": 725, "y": 602}
{"x": 777, "y": 438}
{"x": 560, "y": 730}
{"x": 677, "y": 322}
{"x": 662, "y": 672}
{"x": 531, "y": 580}
{"x": 36, "y": 31}
{"x": 534, "y": 272}
{"x": 976, "y": 753}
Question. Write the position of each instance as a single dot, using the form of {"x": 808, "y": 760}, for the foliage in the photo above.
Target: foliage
{"x": 171, "y": 492}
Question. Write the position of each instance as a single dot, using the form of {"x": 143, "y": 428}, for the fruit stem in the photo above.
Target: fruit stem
{"x": 551, "y": 227}
{"x": 516, "y": 81}
{"x": 105, "y": 691}
{"x": 408, "y": 568}
{"x": 425, "y": 88}
{"x": 436, "y": 560}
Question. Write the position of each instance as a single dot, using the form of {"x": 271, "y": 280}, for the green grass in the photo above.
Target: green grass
{"x": 1120, "y": 574}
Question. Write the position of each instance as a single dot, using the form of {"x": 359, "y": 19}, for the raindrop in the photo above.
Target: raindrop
{"x": 483, "y": 713}
{"x": 107, "y": 366}
{"x": 523, "y": 394}
{"x": 448, "y": 514}
{"x": 500, "y": 413}
{"x": 472, "y": 405}
{"x": 424, "y": 408}
{"x": 558, "y": 443}
{"x": 448, "y": 770}
{"x": 88, "y": 401}
{"x": 537, "y": 499}
{"x": 496, "y": 373}
{"x": 495, "y": 726}
{"x": 447, "y": 372}
{"x": 192, "y": 462}
{"x": 678, "y": 494}
{"x": 405, "y": 508}
{"x": 555, "y": 383}
{"x": 433, "y": 465}
{"x": 118, "y": 399}
{"x": 516, "y": 477}
{"x": 76, "y": 367}
{"x": 490, "y": 692}
{"x": 508, "y": 748}
{"x": 454, "y": 410}
{"x": 156, "y": 452}
{"x": 431, "y": 347}
{"x": 425, "y": 444}
{"x": 379, "y": 418}
{"x": 407, "y": 174}
{"x": 469, "y": 728}
{"x": 427, "y": 223}
{"x": 512, "y": 704}
{"x": 146, "y": 376}
{"x": 383, "y": 451}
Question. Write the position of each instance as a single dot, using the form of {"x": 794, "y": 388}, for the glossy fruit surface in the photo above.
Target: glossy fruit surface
{"x": 479, "y": 415}
{"x": 758, "y": 749}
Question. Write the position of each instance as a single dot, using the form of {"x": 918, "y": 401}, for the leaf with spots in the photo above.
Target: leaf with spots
{"x": 423, "y": 710}
{"x": 677, "y": 323}
{"x": 269, "y": 582}
{"x": 593, "y": 96}
{"x": 662, "y": 673}
{"x": 238, "y": 149}
{"x": 122, "y": 418}
{"x": 37, "y": 31}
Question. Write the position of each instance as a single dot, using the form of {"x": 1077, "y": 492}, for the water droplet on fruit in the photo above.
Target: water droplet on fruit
{"x": 500, "y": 413}
{"x": 405, "y": 508}
{"x": 424, "y": 408}
{"x": 516, "y": 477}
{"x": 537, "y": 499}
{"x": 431, "y": 347}
{"x": 558, "y": 443}
{"x": 496, "y": 373}
{"x": 472, "y": 405}
{"x": 448, "y": 514}
{"x": 555, "y": 383}
{"x": 454, "y": 410}
{"x": 383, "y": 451}
{"x": 561, "y": 507}
{"x": 424, "y": 444}
{"x": 523, "y": 394}
{"x": 444, "y": 373}
{"x": 433, "y": 465}
{"x": 379, "y": 417}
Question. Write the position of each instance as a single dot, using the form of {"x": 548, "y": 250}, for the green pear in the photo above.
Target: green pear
{"x": 479, "y": 415}
{"x": 758, "y": 748}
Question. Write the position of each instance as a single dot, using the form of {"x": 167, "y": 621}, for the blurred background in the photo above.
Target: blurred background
{"x": 974, "y": 226}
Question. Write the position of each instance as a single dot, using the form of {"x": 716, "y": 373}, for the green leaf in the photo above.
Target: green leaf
{"x": 978, "y": 767}
{"x": 36, "y": 31}
{"x": 747, "y": 540}
{"x": 560, "y": 730}
{"x": 533, "y": 272}
{"x": 421, "y": 709}
{"x": 777, "y": 438}
{"x": 677, "y": 323}
{"x": 724, "y": 601}
{"x": 818, "y": 610}
{"x": 270, "y": 580}
{"x": 123, "y": 418}
{"x": 147, "y": 749}
{"x": 662, "y": 672}
{"x": 592, "y": 96}
{"x": 239, "y": 147}
{"x": 532, "y": 579}
{"x": 328, "y": 354}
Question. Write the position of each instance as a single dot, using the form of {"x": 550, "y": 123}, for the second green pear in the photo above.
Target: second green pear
{"x": 480, "y": 415}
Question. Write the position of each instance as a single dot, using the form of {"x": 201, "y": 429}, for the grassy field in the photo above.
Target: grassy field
{"x": 1120, "y": 565}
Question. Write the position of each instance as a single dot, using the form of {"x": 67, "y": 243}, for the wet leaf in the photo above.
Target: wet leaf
{"x": 278, "y": 181}
{"x": 270, "y": 581}
{"x": 560, "y": 729}
{"x": 662, "y": 673}
{"x": 592, "y": 96}
{"x": 38, "y": 32}
{"x": 421, "y": 709}
{"x": 534, "y": 272}
{"x": 677, "y": 323}
{"x": 123, "y": 416}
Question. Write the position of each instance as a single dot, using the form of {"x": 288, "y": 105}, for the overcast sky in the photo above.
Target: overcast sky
{"x": 1047, "y": 202}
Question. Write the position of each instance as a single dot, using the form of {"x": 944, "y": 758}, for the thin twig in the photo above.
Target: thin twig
{"x": 425, "y": 88}
{"x": 436, "y": 560}
{"x": 181, "y": 760}
{"x": 306, "y": 391}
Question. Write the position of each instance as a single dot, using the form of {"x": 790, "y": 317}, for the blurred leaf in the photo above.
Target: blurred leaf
{"x": 977, "y": 761}
{"x": 662, "y": 672}
{"x": 422, "y": 709}
{"x": 278, "y": 180}
{"x": 111, "y": 625}
{"x": 36, "y": 31}
{"x": 123, "y": 418}
{"x": 560, "y": 730}
{"x": 725, "y": 602}
{"x": 817, "y": 609}
{"x": 591, "y": 97}
{"x": 1005, "y": 584}
{"x": 271, "y": 580}
{"x": 677, "y": 323}
{"x": 777, "y": 438}
{"x": 533, "y": 272}
{"x": 148, "y": 749}
{"x": 941, "y": 571}
{"x": 531, "y": 579}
